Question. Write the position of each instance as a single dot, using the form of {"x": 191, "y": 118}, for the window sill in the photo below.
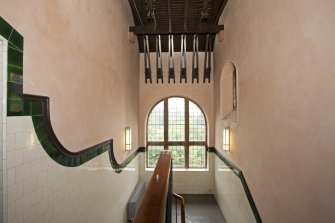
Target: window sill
{"x": 182, "y": 170}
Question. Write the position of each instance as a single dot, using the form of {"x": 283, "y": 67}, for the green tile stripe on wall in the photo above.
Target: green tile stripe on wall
{"x": 14, "y": 67}
{"x": 37, "y": 110}
{"x": 5, "y": 29}
{"x": 37, "y": 107}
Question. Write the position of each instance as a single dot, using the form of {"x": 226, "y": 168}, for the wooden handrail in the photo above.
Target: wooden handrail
{"x": 154, "y": 203}
{"x": 182, "y": 206}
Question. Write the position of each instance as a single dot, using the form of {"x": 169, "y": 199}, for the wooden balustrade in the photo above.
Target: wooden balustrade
{"x": 157, "y": 197}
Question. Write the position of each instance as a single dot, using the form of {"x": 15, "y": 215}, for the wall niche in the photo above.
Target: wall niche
{"x": 228, "y": 94}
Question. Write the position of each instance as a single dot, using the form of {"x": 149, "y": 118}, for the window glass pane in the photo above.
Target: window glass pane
{"x": 156, "y": 124}
{"x": 197, "y": 156}
{"x": 176, "y": 117}
{"x": 197, "y": 123}
{"x": 178, "y": 156}
{"x": 153, "y": 155}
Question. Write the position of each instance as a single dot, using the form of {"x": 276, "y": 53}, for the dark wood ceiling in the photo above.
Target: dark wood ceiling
{"x": 176, "y": 14}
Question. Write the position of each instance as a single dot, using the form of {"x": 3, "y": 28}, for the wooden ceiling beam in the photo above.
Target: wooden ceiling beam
{"x": 136, "y": 13}
{"x": 218, "y": 15}
{"x": 177, "y": 30}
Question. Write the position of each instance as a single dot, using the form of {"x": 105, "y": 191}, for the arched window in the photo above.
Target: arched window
{"x": 179, "y": 125}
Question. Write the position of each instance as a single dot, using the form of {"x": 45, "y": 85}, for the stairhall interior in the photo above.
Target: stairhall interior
{"x": 240, "y": 92}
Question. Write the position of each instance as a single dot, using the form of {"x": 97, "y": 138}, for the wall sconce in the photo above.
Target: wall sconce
{"x": 226, "y": 138}
{"x": 127, "y": 138}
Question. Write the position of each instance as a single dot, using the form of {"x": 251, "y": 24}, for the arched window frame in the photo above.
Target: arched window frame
{"x": 186, "y": 143}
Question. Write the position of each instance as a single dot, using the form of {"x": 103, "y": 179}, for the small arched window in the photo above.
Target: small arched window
{"x": 179, "y": 125}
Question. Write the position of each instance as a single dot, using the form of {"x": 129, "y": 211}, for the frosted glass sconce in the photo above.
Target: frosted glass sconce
{"x": 127, "y": 138}
{"x": 226, "y": 138}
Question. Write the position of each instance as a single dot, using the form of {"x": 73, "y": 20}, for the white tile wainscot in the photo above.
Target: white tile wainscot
{"x": 186, "y": 181}
{"x": 230, "y": 195}
{"x": 3, "y": 114}
{"x": 40, "y": 190}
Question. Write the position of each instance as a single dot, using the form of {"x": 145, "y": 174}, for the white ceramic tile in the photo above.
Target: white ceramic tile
{"x": 55, "y": 189}
{"x": 22, "y": 140}
{"x": 38, "y": 219}
{"x": 15, "y": 191}
{"x": 17, "y": 219}
{"x": 22, "y": 204}
{"x": 10, "y": 142}
{"x": 42, "y": 179}
{"x": 29, "y": 185}
{"x": 48, "y": 215}
{"x": 35, "y": 167}
{"x": 42, "y": 206}
{"x": 22, "y": 172}
{"x": 11, "y": 176}
{"x": 14, "y": 125}
{"x": 14, "y": 158}
{"x": 231, "y": 196}
{"x": 30, "y": 214}
{"x": 27, "y": 124}
{"x": 36, "y": 196}
{"x": 29, "y": 154}
{"x": 11, "y": 210}
{"x": 33, "y": 138}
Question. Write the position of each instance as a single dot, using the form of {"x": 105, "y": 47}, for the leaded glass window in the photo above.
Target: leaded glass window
{"x": 179, "y": 125}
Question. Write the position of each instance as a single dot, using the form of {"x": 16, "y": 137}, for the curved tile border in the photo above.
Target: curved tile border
{"x": 240, "y": 175}
{"x": 19, "y": 104}
{"x": 38, "y": 108}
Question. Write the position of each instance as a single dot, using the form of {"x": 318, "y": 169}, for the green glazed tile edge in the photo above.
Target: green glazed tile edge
{"x": 38, "y": 108}
{"x": 15, "y": 64}
{"x": 5, "y": 28}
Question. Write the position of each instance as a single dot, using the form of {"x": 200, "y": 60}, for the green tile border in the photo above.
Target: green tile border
{"x": 15, "y": 66}
{"x": 19, "y": 104}
{"x": 38, "y": 108}
{"x": 240, "y": 175}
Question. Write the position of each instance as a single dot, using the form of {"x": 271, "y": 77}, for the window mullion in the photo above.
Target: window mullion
{"x": 187, "y": 134}
{"x": 166, "y": 124}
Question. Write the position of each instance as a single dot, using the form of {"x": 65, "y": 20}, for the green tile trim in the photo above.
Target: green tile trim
{"x": 15, "y": 57}
{"x": 38, "y": 108}
{"x": 240, "y": 175}
{"x": 5, "y": 28}
{"x": 16, "y": 40}
{"x": 19, "y": 104}
{"x": 15, "y": 68}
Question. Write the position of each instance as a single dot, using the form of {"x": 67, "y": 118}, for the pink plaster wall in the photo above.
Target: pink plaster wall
{"x": 76, "y": 52}
{"x": 284, "y": 141}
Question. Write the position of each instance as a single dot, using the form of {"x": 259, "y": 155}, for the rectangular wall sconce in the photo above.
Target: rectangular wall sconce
{"x": 127, "y": 138}
{"x": 226, "y": 138}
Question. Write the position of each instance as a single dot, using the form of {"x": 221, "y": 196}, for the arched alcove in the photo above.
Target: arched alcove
{"x": 228, "y": 93}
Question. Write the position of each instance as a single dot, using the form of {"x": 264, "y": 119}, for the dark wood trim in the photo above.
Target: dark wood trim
{"x": 185, "y": 13}
{"x": 187, "y": 132}
{"x": 136, "y": 13}
{"x": 166, "y": 124}
{"x": 182, "y": 206}
{"x": 218, "y": 15}
{"x": 154, "y": 204}
{"x": 177, "y": 30}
